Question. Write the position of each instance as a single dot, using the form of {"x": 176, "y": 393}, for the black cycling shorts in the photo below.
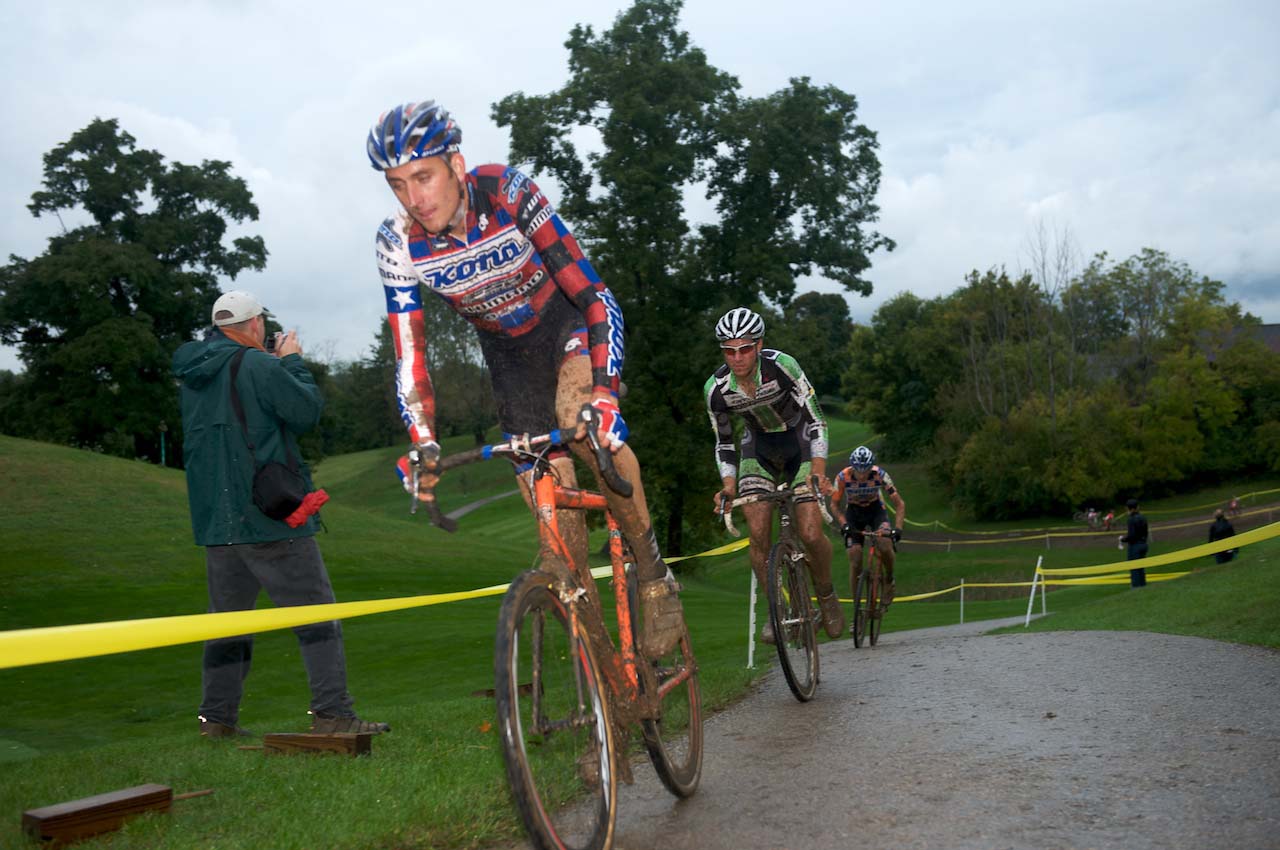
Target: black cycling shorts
{"x": 525, "y": 370}
{"x": 768, "y": 459}
{"x": 862, "y": 517}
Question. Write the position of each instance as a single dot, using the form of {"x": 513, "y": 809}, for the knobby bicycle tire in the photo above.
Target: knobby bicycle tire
{"x": 791, "y": 614}
{"x": 874, "y": 609}
{"x": 861, "y": 612}
{"x": 554, "y": 726}
{"x": 674, "y": 739}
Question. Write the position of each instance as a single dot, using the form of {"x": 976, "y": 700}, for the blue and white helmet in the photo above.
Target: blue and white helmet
{"x": 861, "y": 459}
{"x": 740, "y": 323}
{"x": 412, "y": 131}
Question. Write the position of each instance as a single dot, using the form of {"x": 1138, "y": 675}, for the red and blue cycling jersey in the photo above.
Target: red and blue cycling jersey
{"x": 518, "y": 268}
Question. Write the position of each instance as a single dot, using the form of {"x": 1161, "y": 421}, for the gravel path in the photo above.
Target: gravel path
{"x": 946, "y": 738}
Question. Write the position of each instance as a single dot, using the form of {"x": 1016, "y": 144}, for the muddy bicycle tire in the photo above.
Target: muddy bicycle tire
{"x": 874, "y": 598}
{"x": 674, "y": 740}
{"x": 861, "y": 611}
{"x": 553, "y": 721}
{"x": 793, "y": 617}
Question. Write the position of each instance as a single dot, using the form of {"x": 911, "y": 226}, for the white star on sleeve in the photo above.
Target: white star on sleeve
{"x": 403, "y": 297}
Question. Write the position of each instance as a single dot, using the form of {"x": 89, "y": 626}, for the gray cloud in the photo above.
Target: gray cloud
{"x": 1142, "y": 124}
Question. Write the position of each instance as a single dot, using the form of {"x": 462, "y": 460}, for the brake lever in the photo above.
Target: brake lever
{"x": 604, "y": 457}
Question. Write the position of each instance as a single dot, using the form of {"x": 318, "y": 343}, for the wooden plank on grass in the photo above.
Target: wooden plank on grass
{"x": 65, "y": 822}
{"x": 344, "y": 743}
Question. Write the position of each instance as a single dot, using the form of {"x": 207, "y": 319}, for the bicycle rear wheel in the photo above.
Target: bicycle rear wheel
{"x": 792, "y": 615}
{"x": 554, "y": 721}
{"x": 861, "y": 609}
{"x": 674, "y": 740}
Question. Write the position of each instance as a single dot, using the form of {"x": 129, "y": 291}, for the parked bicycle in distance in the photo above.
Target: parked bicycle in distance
{"x": 868, "y": 594}
{"x": 567, "y": 697}
{"x": 793, "y": 614}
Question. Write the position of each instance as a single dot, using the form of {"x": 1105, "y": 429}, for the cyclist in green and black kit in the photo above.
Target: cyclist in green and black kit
{"x": 784, "y": 441}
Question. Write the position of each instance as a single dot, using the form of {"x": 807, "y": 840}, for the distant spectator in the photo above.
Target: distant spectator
{"x": 1233, "y": 507}
{"x": 1108, "y": 519}
{"x": 1220, "y": 530}
{"x": 1136, "y": 538}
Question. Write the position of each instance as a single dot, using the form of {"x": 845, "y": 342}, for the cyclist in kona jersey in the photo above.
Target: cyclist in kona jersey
{"x": 859, "y": 486}
{"x": 784, "y": 441}
{"x": 489, "y": 243}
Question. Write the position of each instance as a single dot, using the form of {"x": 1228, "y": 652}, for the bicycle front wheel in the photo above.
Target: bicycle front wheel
{"x": 554, "y": 721}
{"x": 861, "y": 607}
{"x": 792, "y": 615}
{"x": 874, "y": 598}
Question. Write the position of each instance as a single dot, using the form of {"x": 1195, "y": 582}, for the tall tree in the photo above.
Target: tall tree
{"x": 815, "y": 328}
{"x": 98, "y": 315}
{"x": 793, "y": 178}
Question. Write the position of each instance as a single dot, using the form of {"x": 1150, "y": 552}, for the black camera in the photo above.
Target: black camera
{"x": 271, "y": 343}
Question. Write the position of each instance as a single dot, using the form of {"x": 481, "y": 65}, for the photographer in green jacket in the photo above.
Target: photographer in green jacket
{"x": 247, "y": 551}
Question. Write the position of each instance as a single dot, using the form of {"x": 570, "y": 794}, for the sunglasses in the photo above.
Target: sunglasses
{"x": 737, "y": 349}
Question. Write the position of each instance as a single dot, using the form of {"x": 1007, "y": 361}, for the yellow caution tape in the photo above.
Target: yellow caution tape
{"x": 1256, "y": 535}
{"x": 719, "y": 550}
{"x": 21, "y": 647}
{"x": 1038, "y": 533}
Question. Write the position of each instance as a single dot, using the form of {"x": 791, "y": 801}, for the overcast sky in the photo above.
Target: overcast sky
{"x": 1130, "y": 124}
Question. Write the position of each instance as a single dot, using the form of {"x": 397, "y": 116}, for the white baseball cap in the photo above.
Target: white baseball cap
{"x": 234, "y": 307}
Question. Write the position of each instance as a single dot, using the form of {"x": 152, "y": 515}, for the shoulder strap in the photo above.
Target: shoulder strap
{"x": 235, "y": 396}
{"x": 239, "y": 411}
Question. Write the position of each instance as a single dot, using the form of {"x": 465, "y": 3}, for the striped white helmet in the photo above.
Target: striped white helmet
{"x": 739, "y": 323}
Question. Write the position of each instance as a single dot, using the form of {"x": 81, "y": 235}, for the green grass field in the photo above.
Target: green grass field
{"x": 91, "y": 538}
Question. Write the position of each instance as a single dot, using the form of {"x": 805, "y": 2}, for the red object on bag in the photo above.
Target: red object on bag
{"x": 310, "y": 504}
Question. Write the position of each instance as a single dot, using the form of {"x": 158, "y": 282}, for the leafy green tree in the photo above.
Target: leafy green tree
{"x": 97, "y": 317}
{"x": 793, "y": 177}
{"x": 815, "y": 328}
{"x": 896, "y": 370}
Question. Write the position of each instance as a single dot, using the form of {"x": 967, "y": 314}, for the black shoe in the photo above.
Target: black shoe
{"x": 328, "y": 724}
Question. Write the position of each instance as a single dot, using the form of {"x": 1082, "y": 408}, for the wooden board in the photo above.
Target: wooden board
{"x": 345, "y": 743}
{"x": 65, "y": 822}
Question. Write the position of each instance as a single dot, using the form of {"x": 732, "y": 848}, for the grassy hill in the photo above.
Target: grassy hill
{"x": 92, "y": 538}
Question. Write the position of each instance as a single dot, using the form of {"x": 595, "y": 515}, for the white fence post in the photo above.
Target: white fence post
{"x": 751, "y": 623}
{"x": 1031, "y": 600}
{"x": 962, "y": 602}
{"x": 1044, "y": 606}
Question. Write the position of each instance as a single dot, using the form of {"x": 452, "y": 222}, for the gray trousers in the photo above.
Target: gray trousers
{"x": 292, "y": 573}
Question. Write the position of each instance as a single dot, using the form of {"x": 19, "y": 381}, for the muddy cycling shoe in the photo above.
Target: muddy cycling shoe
{"x": 328, "y": 724}
{"x": 888, "y": 594}
{"x": 214, "y": 729}
{"x": 832, "y": 616}
{"x": 766, "y": 634}
{"x": 663, "y": 617}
